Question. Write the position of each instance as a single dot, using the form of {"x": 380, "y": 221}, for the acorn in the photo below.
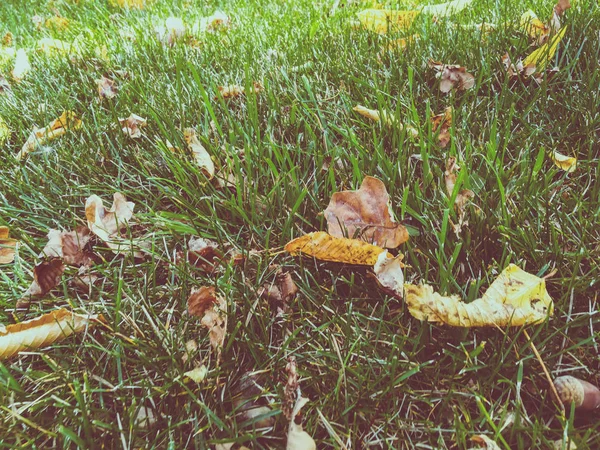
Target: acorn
{"x": 584, "y": 395}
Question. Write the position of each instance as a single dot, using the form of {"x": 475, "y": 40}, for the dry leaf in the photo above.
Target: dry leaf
{"x": 366, "y": 214}
{"x": 106, "y": 88}
{"x": 248, "y": 401}
{"x": 297, "y": 438}
{"x": 452, "y": 76}
{"x": 462, "y": 198}
{"x": 446, "y": 9}
{"x": 559, "y": 10}
{"x": 4, "y": 131}
{"x": 534, "y": 27}
{"x": 385, "y": 117}
{"x": 323, "y": 246}
{"x": 203, "y": 253}
{"x": 57, "y": 23}
{"x": 4, "y": 86}
{"x": 172, "y": 31}
{"x": 282, "y": 293}
{"x": 7, "y": 39}
{"x": 541, "y": 56}
{"x": 46, "y": 276}
{"x": 515, "y": 298}
{"x": 107, "y": 223}
{"x": 212, "y": 310}
{"x": 388, "y": 270}
{"x": 233, "y": 90}
{"x": 69, "y": 246}
{"x": 383, "y": 20}
{"x": 8, "y": 247}
{"x": 22, "y": 65}
{"x": 39, "y": 136}
{"x": 441, "y": 124}
{"x": 132, "y": 125}
{"x": 566, "y": 163}
{"x": 198, "y": 374}
{"x": 218, "y": 21}
{"x": 43, "y": 331}
{"x": 202, "y": 157}
{"x": 484, "y": 442}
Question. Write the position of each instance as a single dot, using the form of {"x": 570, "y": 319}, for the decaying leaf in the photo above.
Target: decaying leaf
{"x": 212, "y": 310}
{"x": 484, "y": 442}
{"x": 441, "y": 124}
{"x": 446, "y": 9}
{"x": 107, "y": 88}
{"x": 385, "y": 117}
{"x": 517, "y": 69}
{"x": 173, "y": 30}
{"x": 323, "y": 246}
{"x": 388, "y": 270}
{"x": 57, "y": 23}
{"x": 203, "y": 253}
{"x": 68, "y": 246}
{"x": 132, "y": 125}
{"x": 43, "y": 331}
{"x": 198, "y": 374}
{"x": 557, "y": 13}
{"x": 22, "y": 65}
{"x": 218, "y": 21}
{"x": 7, "y": 246}
{"x": 281, "y": 293}
{"x": 462, "y": 198}
{"x": 58, "y": 127}
{"x": 7, "y": 39}
{"x": 46, "y": 276}
{"x": 515, "y": 298}
{"x": 250, "y": 404}
{"x": 543, "y": 55}
{"x": 297, "y": 438}
{"x": 383, "y": 20}
{"x": 534, "y": 27}
{"x": 566, "y": 163}
{"x": 202, "y": 157}
{"x": 366, "y": 214}
{"x": 452, "y": 76}
{"x": 108, "y": 223}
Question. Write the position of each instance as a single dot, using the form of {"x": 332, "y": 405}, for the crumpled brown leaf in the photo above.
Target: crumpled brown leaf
{"x": 132, "y": 126}
{"x": 42, "y": 331}
{"x": 108, "y": 223}
{"x": 249, "y": 402}
{"x": 365, "y": 213}
{"x": 441, "y": 124}
{"x": 67, "y": 121}
{"x": 205, "y": 303}
{"x": 452, "y": 76}
{"x": 7, "y": 246}
{"x": 68, "y": 246}
{"x": 297, "y": 438}
{"x": 204, "y": 254}
{"x": 202, "y": 157}
{"x": 462, "y": 198}
{"x": 281, "y": 293}
{"x": 107, "y": 88}
{"x": 46, "y": 276}
{"x": 557, "y": 13}
{"x": 515, "y": 298}
{"x": 484, "y": 442}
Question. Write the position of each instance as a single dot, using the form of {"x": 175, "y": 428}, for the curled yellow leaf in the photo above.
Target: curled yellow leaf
{"x": 67, "y": 121}
{"x": 515, "y": 298}
{"x": 541, "y": 56}
{"x": 566, "y": 163}
{"x": 328, "y": 248}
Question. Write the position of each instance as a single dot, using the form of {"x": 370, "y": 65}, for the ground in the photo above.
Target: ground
{"x": 374, "y": 376}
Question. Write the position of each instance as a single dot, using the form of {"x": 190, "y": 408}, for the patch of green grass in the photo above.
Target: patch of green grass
{"x": 378, "y": 377}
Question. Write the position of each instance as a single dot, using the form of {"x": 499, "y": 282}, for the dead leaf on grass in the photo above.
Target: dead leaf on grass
{"x": 534, "y": 27}
{"x": 107, "y": 88}
{"x": 366, "y": 214}
{"x": 68, "y": 246}
{"x": 43, "y": 331}
{"x": 388, "y": 270}
{"x": 441, "y": 124}
{"x": 108, "y": 223}
{"x": 4, "y": 86}
{"x": 203, "y": 254}
{"x": 297, "y": 438}
{"x": 58, "y": 127}
{"x": 515, "y": 298}
{"x": 452, "y": 76}
{"x": 484, "y": 442}
{"x": 462, "y": 198}
{"x": 211, "y": 308}
{"x": 57, "y": 23}
{"x": 385, "y": 117}
{"x": 8, "y": 246}
{"x": 46, "y": 276}
{"x": 557, "y": 13}
{"x": 21, "y": 67}
{"x": 566, "y": 163}
{"x": 127, "y": 4}
{"x": 234, "y": 90}
{"x": 540, "y": 57}
{"x": 132, "y": 125}
{"x": 202, "y": 157}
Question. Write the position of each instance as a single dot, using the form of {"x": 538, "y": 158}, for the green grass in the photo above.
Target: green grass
{"x": 379, "y": 377}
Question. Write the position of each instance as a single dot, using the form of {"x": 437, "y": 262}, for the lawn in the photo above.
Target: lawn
{"x": 374, "y": 376}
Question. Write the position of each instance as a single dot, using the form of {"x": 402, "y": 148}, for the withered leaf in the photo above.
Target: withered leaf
{"x": 250, "y": 405}
{"x": 173, "y": 30}
{"x": 4, "y": 86}
{"x": 462, "y": 198}
{"x": 203, "y": 253}
{"x": 297, "y": 438}
{"x": 485, "y": 442}
{"x": 559, "y": 10}
{"x": 452, "y": 76}
{"x": 7, "y": 246}
{"x": 441, "y": 124}
{"x": 132, "y": 126}
{"x": 67, "y": 121}
{"x": 388, "y": 270}
{"x": 107, "y": 88}
{"x": 212, "y": 310}
{"x": 566, "y": 163}
{"x": 57, "y": 23}
{"x": 69, "y": 246}
{"x": 106, "y": 223}
{"x": 46, "y": 276}
{"x": 202, "y": 157}
{"x": 365, "y": 213}
{"x": 43, "y": 331}
{"x": 233, "y": 90}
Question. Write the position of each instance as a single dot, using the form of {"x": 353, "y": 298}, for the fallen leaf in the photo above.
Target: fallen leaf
{"x": 484, "y": 442}
{"x": 281, "y": 293}
{"x": 57, "y": 23}
{"x": 383, "y": 20}
{"x": 388, "y": 270}
{"x": 4, "y": 86}
{"x": 173, "y": 30}
{"x": 366, "y": 214}
{"x": 4, "y": 131}
{"x": 249, "y": 402}
{"x": 43, "y": 331}
{"x": 462, "y": 198}
{"x": 541, "y": 56}
{"x": 534, "y": 27}
{"x": 7, "y": 39}
{"x": 107, "y": 88}
{"x": 202, "y": 157}
{"x": 39, "y": 136}
{"x": 8, "y": 246}
{"x": 441, "y": 124}
{"x": 566, "y": 163}
{"x": 216, "y": 22}
{"x": 297, "y": 438}
{"x": 203, "y": 253}
{"x": 557, "y": 13}
{"x": 46, "y": 276}
{"x": 323, "y": 246}
{"x": 22, "y": 65}
{"x": 68, "y": 246}
{"x": 108, "y": 223}
{"x": 145, "y": 418}
{"x": 385, "y": 117}
{"x": 515, "y": 298}
{"x": 446, "y": 9}
{"x": 558, "y": 445}
{"x": 132, "y": 125}
{"x": 452, "y": 76}
{"x": 212, "y": 310}
{"x": 233, "y": 90}
{"x": 198, "y": 374}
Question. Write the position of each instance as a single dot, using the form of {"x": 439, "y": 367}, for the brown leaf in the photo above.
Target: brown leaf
{"x": 212, "y": 310}
{"x": 132, "y": 126}
{"x": 462, "y": 198}
{"x": 250, "y": 403}
{"x": 46, "y": 276}
{"x": 559, "y": 10}
{"x": 365, "y": 213}
{"x": 7, "y": 247}
{"x": 67, "y": 121}
{"x": 441, "y": 124}
{"x": 69, "y": 246}
{"x": 7, "y": 39}
{"x": 452, "y": 76}
{"x": 202, "y": 157}
{"x": 200, "y": 300}
{"x": 204, "y": 254}
{"x": 107, "y": 223}
{"x": 388, "y": 270}
{"x": 107, "y": 88}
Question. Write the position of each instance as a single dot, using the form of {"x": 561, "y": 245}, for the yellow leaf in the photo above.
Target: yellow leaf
{"x": 198, "y": 374}
{"x": 4, "y": 131}
{"x": 372, "y": 114}
{"x": 515, "y": 298}
{"x": 67, "y": 121}
{"x": 328, "y": 248}
{"x": 446, "y": 9}
{"x": 42, "y": 331}
{"x": 533, "y": 26}
{"x": 541, "y": 56}
{"x": 566, "y": 163}
{"x": 7, "y": 246}
{"x": 383, "y": 20}
{"x": 139, "y": 4}
{"x": 57, "y": 23}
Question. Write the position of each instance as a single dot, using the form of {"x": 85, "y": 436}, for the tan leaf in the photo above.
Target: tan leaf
{"x": 452, "y": 76}
{"x": 559, "y": 10}
{"x": 371, "y": 114}
{"x": 202, "y": 157}
{"x": 7, "y": 39}
{"x": 282, "y": 293}
{"x": 566, "y": 163}
{"x": 22, "y": 66}
{"x": 216, "y": 22}
{"x": 69, "y": 246}
{"x": 53, "y": 47}
{"x": 485, "y": 442}
{"x": 388, "y": 270}
{"x": 248, "y": 401}
{"x": 198, "y": 374}
{"x": 57, "y": 23}
{"x": 233, "y": 90}
{"x": 37, "y": 21}
{"x": 441, "y": 124}
{"x": 46, "y": 276}
{"x": 515, "y": 298}
{"x": 8, "y": 246}
{"x": 365, "y": 213}
{"x": 58, "y": 127}
{"x": 297, "y": 438}
{"x": 212, "y": 310}
{"x": 204, "y": 254}
{"x": 106, "y": 88}
{"x": 329, "y": 248}
{"x": 385, "y": 117}
{"x": 108, "y": 223}
{"x": 383, "y": 20}
{"x": 43, "y": 331}
{"x": 132, "y": 125}
{"x": 462, "y": 198}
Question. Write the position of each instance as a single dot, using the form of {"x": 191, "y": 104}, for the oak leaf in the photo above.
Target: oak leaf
{"x": 365, "y": 213}
{"x": 452, "y": 76}
{"x": 515, "y": 298}
{"x": 43, "y": 331}
{"x": 202, "y": 157}
{"x": 132, "y": 125}
{"x": 323, "y": 246}
{"x": 7, "y": 246}
{"x": 58, "y": 127}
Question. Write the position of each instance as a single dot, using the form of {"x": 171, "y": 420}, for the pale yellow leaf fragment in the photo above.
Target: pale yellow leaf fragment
{"x": 39, "y": 136}
{"x": 198, "y": 374}
{"x": 515, "y": 298}
{"x": 383, "y": 20}
{"x": 542, "y": 56}
{"x": 534, "y": 27}
{"x": 385, "y": 117}
{"x": 323, "y": 246}
{"x": 202, "y": 157}
{"x": 446, "y": 9}
{"x": 22, "y": 65}
{"x": 371, "y": 114}
{"x": 7, "y": 246}
{"x": 566, "y": 163}
{"x": 388, "y": 270}
{"x": 43, "y": 331}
